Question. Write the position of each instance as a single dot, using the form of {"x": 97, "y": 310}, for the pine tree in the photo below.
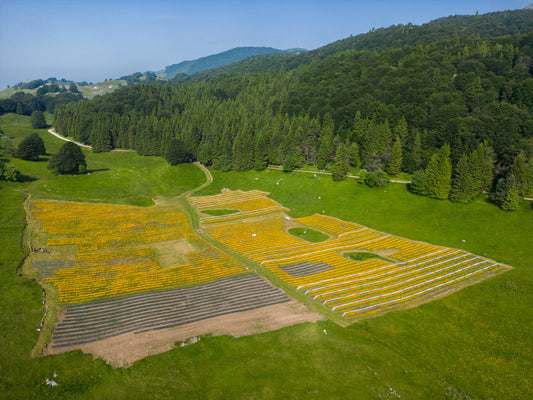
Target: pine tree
{"x": 260, "y": 154}
{"x": 238, "y": 154}
{"x": 439, "y": 174}
{"x": 341, "y": 165}
{"x": 288, "y": 163}
{"x": 522, "y": 173}
{"x": 463, "y": 181}
{"x": 175, "y": 152}
{"x": 394, "y": 165}
{"x": 324, "y": 152}
{"x": 511, "y": 201}
{"x": 355, "y": 160}
{"x": 418, "y": 183}
{"x": 402, "y": 129}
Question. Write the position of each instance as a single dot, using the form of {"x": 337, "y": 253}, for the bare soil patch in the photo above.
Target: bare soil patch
{"x": 123, "y": 350}
{"x": 173, "y": 252}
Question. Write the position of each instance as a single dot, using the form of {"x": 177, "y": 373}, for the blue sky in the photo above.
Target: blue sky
{"x": 97, "y": 39}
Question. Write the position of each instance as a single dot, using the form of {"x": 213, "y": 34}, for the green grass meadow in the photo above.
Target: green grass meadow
{"x": 476, "y": 343}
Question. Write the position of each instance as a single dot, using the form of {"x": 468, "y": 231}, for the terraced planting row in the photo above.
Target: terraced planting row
{"x": 249, "y": 204}
{"x": 95, "y": 321}
{"x": 416, "y": 272}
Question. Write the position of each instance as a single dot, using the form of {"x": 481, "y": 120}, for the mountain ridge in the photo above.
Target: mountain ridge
{"x": 219, "y": 59}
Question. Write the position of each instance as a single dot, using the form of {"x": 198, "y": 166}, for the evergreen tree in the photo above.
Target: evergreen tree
{"x": 511, "y": 201}
{"x": 31, "y": 147}
{"x": 486, "y": 155}
{"x": 288, "y": 163}
{"x": 324, "y": 152}
{"x": 341, "y": 165}
{"x": 260, "y": 154}
{"x": 522, "y": 173}
{"x": 355, "y": 161}
{"x": 439, "y": 174}
{"x": 402, "y": 129}
{"x": 376, "y": 179}
{"x": 238, "y": 154}
{"x": 463, "y": 181}
{"x": 68, "y": 160}
{"x": 37, "y": 120}
{"x": 175, "y": 152}
{"x": 418, "y": 183}
{"x": 394, "y": 165}
{"x": 363, "y": 173}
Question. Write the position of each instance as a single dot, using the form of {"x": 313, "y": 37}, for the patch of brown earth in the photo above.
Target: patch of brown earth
{"x": 123, "y": 350}
{"x": 172, "y": 252}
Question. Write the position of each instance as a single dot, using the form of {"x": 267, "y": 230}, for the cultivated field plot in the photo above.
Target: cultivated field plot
{"x": 112, "y": 256}
{"x": 403, "y": 273}
{"x": 247, "y": 204}
{"x": 102, "y": 260}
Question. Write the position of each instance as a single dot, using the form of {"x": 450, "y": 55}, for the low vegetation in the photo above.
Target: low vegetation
{"x": 308, "y": 234}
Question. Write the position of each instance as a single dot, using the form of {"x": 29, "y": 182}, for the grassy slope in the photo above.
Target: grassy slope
{"x": 474, "y": 342}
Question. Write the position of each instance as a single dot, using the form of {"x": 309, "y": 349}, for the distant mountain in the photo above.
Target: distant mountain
{"x": 219, "y": 60}
{"x": 530, "y": 7}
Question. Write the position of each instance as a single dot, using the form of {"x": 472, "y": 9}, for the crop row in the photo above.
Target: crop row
{"x": 329, "y": 224}
{"x": 227, "y": 197}
{"x": 242, "y": 214}
{"x": 164, "y": 309}
{"x": 248, "y": 204}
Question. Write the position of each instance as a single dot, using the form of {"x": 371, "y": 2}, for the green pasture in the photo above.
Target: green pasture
{"x": 476, "y": 343}
{"x": 363, "y": 256}
{"x": 308, "y": 234}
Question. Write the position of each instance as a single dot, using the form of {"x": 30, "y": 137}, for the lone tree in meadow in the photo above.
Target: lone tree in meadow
{"x": 68, "y": 160}
{"x": 31, "y": 148}
{"x": 37, "y": 120}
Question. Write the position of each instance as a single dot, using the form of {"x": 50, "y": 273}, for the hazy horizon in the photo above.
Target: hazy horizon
{"x": 98, "y": 40}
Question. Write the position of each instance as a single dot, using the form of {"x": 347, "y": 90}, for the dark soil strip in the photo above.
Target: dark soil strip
{"x": 305, "y": 268}
{"x": 159, "y": 310}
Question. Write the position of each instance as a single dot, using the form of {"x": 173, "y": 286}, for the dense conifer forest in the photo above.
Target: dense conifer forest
{"x": 458, "y": 89}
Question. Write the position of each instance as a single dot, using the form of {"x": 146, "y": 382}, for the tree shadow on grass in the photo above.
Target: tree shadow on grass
{"x": 26, "y": 178}
{"x": 91, "y": 171}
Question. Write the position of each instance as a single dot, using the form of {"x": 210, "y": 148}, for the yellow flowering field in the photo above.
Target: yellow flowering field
{"x": 249, "y": 204}
{"x": 406, "y": 273}
{"x": 113, "y": 258}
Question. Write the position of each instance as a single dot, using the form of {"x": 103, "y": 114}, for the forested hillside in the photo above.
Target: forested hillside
{"x": 391, "y": 100}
